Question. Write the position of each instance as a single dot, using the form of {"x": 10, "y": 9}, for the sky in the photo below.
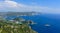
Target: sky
{"x": 44, "y": 6}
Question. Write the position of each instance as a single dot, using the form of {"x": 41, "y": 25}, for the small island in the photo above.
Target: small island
{"x": 16, "y": 25}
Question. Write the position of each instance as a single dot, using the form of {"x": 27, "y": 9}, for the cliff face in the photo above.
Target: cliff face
{"x": 15, "y": 26}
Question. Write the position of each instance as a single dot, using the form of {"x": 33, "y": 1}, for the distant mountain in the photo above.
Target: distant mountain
{"x": 18, "y": 13}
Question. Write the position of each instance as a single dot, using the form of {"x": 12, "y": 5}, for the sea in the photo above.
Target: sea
{"x": 45, "y": 23}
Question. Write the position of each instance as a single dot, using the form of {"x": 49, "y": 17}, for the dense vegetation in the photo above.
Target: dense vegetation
{"x": 17, "y": 25}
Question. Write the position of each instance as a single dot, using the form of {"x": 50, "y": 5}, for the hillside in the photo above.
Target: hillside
{"x": 17, "y": 25}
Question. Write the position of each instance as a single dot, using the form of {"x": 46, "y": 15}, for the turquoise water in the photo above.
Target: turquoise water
{"x": 41, "y": 21}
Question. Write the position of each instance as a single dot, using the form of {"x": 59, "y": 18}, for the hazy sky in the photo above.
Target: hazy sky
{"x": 45, "y": 6}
